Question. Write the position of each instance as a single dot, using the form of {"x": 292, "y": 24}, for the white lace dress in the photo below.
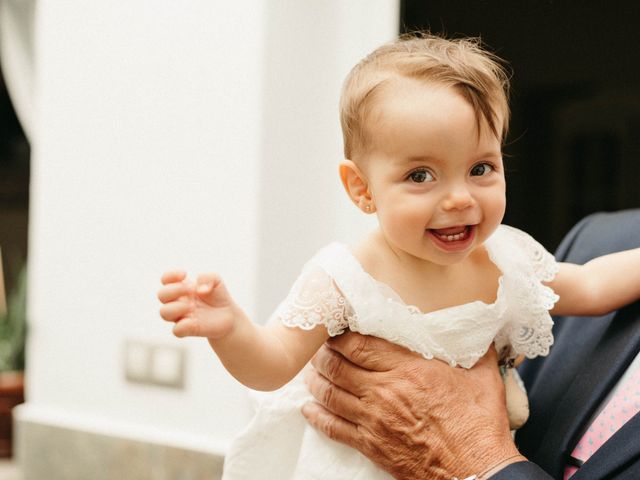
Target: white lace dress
{"x": 335, "y": 291}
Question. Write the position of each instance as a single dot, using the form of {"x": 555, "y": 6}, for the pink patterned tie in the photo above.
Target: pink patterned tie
{"x": 624, "y": 404}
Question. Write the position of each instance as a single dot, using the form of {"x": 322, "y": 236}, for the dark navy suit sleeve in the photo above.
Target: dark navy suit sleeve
{"x": 568, "y": 385}
{"x": 521, "y": 471}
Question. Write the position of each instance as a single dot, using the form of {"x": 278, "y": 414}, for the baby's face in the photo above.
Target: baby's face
{"x": 438, "y": 186}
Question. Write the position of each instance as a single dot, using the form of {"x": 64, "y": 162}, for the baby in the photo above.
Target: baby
{"x": 424, "y": 119}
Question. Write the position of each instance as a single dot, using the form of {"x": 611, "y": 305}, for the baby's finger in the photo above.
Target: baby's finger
{"x": 211, "y": 290}
{"x": 173, "y": 291}
{"x": 187, "y": 327}
{"x": 211, "y": 280}
{"x": 173, "y": 276}
{"x": 174, "y": 311}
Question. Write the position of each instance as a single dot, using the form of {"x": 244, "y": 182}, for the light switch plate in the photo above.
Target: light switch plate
{"x": 154, "y": 364}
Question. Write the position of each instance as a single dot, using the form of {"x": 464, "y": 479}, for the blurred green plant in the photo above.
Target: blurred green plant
{"x": 13, "y": 326}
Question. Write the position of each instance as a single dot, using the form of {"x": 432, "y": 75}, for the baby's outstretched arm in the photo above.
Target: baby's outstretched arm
{"x": 260, "y": 357}
{"x": 600, "y": 286}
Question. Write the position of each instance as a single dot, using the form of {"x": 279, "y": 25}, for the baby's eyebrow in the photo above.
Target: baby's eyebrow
{"x": 420, "y": 159}
{"x": 433, "y": 160}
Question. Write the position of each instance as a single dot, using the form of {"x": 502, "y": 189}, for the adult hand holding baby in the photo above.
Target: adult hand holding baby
{"x": 202, "y": 308}
{"x": 413, "y": 417}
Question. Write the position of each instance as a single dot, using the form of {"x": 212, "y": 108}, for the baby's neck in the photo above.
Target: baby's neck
{"x": 377, "y": 255}
{"x": 427, "y": 285}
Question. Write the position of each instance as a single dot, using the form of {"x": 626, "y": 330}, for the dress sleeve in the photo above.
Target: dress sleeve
{"x": 314, "y": 300}
{"x": 528, "y": 331}
{"x": 544, "y": 263}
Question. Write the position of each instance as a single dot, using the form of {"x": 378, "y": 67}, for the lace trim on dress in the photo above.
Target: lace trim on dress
{"x": 544, "y": 264}
{"x": 458, "y": 335}
{"x": 534, "y": 338}
{"x": 315, "y": 300}
{"x": 335, "y": 291}
{"x": 529, "y": 331}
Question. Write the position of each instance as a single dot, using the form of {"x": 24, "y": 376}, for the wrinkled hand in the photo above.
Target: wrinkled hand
{"x": 202, "y": 308}
{"x": 414, "y": 418}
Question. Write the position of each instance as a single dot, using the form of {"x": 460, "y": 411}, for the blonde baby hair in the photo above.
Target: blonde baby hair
{"x": 462, "y": 64}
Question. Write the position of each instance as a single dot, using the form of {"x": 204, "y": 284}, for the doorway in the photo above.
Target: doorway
{"x": 574, "y": 142}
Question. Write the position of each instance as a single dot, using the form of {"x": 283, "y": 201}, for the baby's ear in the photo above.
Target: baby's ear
{"x": 356, "y": 185}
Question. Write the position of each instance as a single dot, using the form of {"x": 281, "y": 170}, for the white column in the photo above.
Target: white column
{"x": 310, "y": 48}
{"x": 203, "y": 135}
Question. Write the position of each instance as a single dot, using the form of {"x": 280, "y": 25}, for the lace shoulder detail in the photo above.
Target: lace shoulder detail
{"x": 315, "y": 300}
{"x": 527, "y": 329}
{"x": 544, "y": 263}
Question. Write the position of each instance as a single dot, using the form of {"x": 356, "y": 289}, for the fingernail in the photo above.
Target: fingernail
{"x": 204, "y": 288}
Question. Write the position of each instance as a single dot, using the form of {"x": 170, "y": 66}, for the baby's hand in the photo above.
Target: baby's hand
{"x": 199, "y": 309}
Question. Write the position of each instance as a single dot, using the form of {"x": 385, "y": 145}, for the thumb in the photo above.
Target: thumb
{"x": 211, "y": 289}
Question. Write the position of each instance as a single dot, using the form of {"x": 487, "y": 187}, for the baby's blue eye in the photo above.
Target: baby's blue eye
{"x": 481, "y": 169}
{"x": 420, "y": 176}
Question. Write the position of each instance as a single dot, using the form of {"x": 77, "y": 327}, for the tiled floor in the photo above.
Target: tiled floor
{"x": 9, "y": 470}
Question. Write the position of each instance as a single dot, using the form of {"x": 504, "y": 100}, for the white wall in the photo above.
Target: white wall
{"x": 203, "y": 135}
{"x": 310, "y": 48}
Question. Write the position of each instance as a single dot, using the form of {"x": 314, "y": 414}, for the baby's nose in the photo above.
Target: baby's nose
{"x": 458, "y": 199}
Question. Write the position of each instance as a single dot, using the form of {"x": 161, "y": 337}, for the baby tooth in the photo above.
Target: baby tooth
{"x": 452, "y": 238}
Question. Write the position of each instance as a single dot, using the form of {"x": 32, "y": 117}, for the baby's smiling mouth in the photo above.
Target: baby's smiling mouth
{"x": 452, "y": 234}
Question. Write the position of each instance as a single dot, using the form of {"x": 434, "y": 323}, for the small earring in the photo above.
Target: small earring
{"x": 367, "y": 208}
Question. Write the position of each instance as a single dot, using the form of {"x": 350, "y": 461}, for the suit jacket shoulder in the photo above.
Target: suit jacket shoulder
{"x": 588, "y": 357}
